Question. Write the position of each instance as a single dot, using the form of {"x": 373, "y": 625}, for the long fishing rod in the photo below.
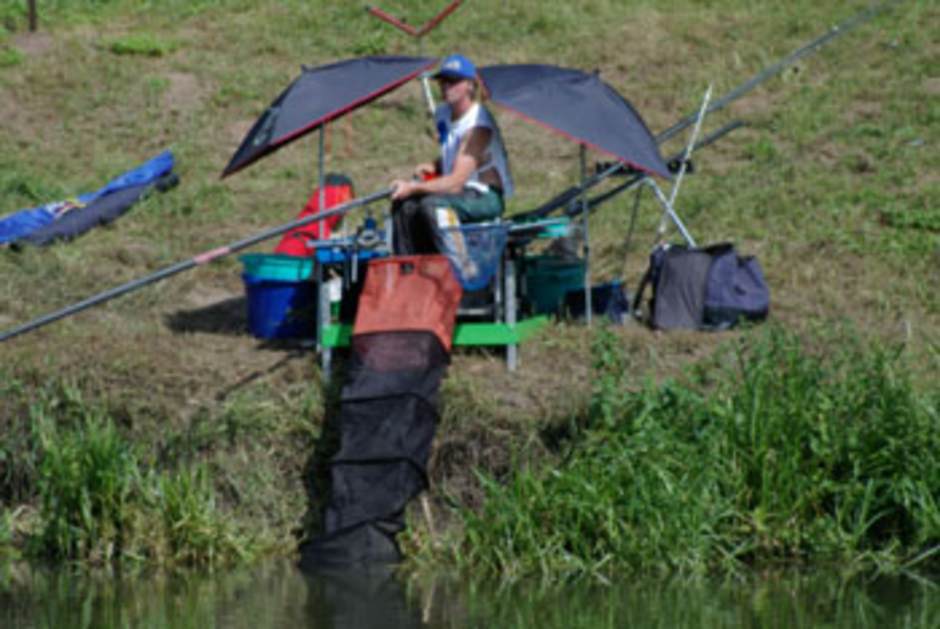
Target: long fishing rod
{"x": 772, "y": 70}
{"x": 198, "y": 260}
{"x": 564, "y": 198}
{"x": 635, "y": 179}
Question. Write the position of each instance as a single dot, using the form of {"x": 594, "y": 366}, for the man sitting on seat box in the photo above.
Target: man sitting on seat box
{"x": 470, "y": 179}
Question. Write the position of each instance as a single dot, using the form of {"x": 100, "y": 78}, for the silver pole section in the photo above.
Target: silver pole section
{"x": 587, "y": 239}
{"x": 512, "y": 350}
{"x": 425, "y": 83}
{"x": 667, "y": 208}
{"x": 428, "y": 97}
{"x": 323, "y": 319}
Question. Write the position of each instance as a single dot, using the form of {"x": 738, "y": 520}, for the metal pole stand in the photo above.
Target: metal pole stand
{"x": 323, "y": 317}
{"x": 509, "y": 295}
{"x": 683, "y": 166}
{"x": 668, "y": 210}
{"x": 588, "y": 306}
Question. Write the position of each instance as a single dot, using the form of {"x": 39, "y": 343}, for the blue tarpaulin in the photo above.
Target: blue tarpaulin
{"x": 26, "y": 222}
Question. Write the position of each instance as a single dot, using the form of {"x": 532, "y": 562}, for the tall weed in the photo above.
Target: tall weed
{"x": 195, "y": 530}
{"x": 89, "y": 480}
{"x": 766, "y": 453}
{"x": 98, "y": 502}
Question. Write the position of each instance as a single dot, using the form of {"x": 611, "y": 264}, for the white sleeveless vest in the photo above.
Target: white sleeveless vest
{"x": 451, "y": 134}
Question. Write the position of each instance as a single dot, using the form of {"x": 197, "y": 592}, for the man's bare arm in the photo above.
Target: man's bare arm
{"x": 469, "y": 158}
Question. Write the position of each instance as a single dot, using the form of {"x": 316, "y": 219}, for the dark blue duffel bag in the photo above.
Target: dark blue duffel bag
{"x": 704, "y": 288}
{"x": 735, "y": 289}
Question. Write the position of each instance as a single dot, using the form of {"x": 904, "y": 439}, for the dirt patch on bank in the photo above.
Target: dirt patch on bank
{"x": 931, "y": 86}
{"x": 184, "y": 91}
{"x": 33, "y": 44}
{"x": 8, "y": 106}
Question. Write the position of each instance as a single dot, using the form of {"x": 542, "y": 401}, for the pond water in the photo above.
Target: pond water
{"x": 277, "y": 595}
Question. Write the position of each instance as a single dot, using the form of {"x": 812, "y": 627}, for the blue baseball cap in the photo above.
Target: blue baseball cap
{"x": 456, "y": 66}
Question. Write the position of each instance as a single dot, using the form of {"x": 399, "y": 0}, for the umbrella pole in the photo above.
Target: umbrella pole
{"x": 628, "y": 243}
{"x": 321, "y": 176}
{"x": 428, "y": 98}
{"x": 425, "y": 82}
{"x": 588, "y": 308}
{"x": 185, "y": 265}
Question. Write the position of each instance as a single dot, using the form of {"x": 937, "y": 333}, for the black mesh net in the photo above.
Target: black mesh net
{"x": 388, "y": 415}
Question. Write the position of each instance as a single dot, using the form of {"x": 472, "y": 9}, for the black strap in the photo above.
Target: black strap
{"x": 640, "y": 289}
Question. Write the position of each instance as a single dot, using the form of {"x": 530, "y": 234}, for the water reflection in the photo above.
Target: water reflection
{"x": 355, "y": 598}
{"x": 277, "y": 595}
{"x": 766, "y": 602}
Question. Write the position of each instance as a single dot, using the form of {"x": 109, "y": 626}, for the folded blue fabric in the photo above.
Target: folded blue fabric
{"x": 24, "y": 222}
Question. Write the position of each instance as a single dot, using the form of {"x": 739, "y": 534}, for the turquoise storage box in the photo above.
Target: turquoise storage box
{"x": 548, "y": 279}
{"x": 273, "y": 266}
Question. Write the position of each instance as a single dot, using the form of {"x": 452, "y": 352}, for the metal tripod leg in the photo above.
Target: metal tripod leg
{"x": 669, "y": 212}
{"x": 683, "y": 166}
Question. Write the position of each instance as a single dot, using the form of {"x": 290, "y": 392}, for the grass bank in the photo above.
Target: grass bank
{"x": 771, "y": 453}
{"x": 97, "y": 500}
{"x": 832, "y": 184}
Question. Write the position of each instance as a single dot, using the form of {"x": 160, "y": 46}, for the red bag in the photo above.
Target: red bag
{"x": 409, "y": 293}
{"x": 338, "y": 190}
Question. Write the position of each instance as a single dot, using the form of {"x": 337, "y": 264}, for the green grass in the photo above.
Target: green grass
{"x": 100, "y": 503}
{"x": 7, "y": 539}
{"x": 764, "y": 456}
{"x": 143, "y": 44}
{"x": 831, "y": 185}
{"x": 10, "y": 57}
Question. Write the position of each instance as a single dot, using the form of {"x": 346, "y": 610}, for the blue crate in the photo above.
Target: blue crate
{"x": 280, "y": 309}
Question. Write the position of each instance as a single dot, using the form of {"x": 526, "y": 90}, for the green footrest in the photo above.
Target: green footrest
{"x": 338, "y": 334}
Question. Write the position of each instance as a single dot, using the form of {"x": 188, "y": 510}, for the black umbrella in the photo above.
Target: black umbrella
{"x": 578, "y": 105}
{"x": 322, "y": 94}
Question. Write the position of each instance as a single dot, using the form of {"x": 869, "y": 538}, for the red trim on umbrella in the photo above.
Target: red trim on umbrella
{"x": 351, "y": 106}
{"x": 281, "y": 141}
{"x": 577, "y": 140}
{"x": 545, "y": 125}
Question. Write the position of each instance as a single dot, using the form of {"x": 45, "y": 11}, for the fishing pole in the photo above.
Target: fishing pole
{"x": 772, "y": 70}
{"x": 198, "y": 260}
{"x": 565, "y": 197}
{"x": 635, "y": 179}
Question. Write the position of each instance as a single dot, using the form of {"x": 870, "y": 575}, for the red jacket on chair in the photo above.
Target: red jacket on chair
{"x": 338, "y": 190}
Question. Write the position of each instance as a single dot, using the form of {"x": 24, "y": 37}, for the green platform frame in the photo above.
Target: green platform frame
{"x": 465, "y": 334}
